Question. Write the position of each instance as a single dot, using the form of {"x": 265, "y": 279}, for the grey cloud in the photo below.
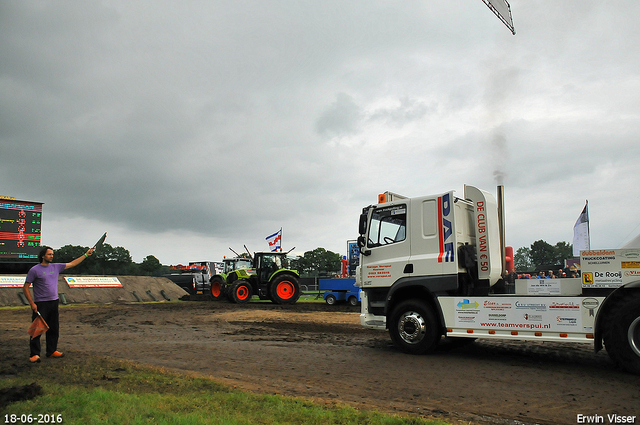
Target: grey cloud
{"x": 343, "y": 117}
{"x": 409, "y": 110}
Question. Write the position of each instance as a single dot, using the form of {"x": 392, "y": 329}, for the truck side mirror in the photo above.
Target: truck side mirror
{"x": 362, "y": 226}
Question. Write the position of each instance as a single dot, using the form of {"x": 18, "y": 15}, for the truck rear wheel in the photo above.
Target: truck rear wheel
{"x": 622, "y": 335}
{"x": 284, "y": 289}
{"x": 413, "y": 327}
{"x": 331, "y": 299}
{"x": 217, "y": 287}
{"x": 241, "y": 292}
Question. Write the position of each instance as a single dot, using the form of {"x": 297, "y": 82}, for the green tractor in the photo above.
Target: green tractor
{"x": 218, "y": 282}
{"x": 270, "y": 279}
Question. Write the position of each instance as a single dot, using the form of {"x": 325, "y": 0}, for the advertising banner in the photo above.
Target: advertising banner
{"x": 93, "y": 282}
{"x": 554, "y": 314}
{"x": 12, "y": 281}
{"x": 609, "y": 268}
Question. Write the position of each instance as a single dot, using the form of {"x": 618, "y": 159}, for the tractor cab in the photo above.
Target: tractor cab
{"x": 268, "y": 263}
{"x": 231, "y": 264}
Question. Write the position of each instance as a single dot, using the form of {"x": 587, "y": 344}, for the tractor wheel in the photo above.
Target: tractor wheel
{"x": 331, "y": 299}
{"x": 217, "y": 288}
{"x": 622, "y": 333}
{"x": 284, "y": 289}
{"x": 413, "y": 327}
{"x": 241, "y": 292}
{"x": 231, "y": 279}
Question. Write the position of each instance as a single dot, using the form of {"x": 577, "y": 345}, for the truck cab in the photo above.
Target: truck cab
{"x": 427, "y": 244}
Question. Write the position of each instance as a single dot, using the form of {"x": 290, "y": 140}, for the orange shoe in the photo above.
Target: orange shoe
{"x": 56, "y": 354}
{"x": 34, "y": 359}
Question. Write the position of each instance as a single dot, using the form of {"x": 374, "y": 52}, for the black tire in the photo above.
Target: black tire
{"x": 231, "y": 279}
{"x": 241, "y": 292}
{"x": 353, "y": 300}
{"x": 216, "y": 288}
{"x": 413, "y": 327}
{"x": 331, "y": 300}
{"x": 622, "y": 333}
{"x": 284, "y": 289}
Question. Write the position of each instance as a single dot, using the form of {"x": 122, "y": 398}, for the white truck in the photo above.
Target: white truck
{"x": 435, "y": 266}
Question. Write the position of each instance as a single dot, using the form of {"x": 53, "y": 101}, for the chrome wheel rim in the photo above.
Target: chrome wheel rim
{"x": 412, "y": 327}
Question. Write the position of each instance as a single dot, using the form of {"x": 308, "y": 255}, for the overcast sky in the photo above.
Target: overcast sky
{"x": 185, "y": 128}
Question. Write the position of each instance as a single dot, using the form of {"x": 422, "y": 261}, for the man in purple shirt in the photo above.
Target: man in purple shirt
{"x": 44, "y": 277}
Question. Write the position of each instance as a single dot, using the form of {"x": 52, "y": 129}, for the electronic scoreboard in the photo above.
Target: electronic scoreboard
{"x": 20, "y": 223}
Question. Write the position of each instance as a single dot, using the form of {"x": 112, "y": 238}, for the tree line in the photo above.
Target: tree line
{"x": 317, "y": 263}
{"x": 541, "y": 253}
{"x": 109, "y": 260}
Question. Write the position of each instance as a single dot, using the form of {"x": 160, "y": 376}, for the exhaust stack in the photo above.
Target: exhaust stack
{"x": 501, "y": 229}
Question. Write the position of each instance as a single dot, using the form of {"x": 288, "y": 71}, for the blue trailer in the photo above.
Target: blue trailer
{"x": 337, "y": 290}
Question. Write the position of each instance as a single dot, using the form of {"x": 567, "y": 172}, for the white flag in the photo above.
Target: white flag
{"x": 581, "y": 232}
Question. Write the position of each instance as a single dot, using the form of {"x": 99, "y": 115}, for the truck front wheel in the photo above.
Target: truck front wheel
{"x": 284, "y": 289}
{"x": 413, "y": 327}
{"x": 241, "y": 292}
{"x": 622, "y": 335}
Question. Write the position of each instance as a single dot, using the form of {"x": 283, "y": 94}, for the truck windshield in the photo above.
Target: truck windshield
{"x": 388, "y": 225}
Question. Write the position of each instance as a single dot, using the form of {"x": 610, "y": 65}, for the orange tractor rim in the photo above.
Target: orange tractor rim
{"x": 285, "y": 290}
{"x": 242, "y": 293}
{"x": 215, "y": 289}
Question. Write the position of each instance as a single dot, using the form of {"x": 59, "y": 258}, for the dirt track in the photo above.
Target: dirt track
{"x": 321, "y": 352}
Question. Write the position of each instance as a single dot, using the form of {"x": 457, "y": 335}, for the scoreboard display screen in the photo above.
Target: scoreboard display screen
{"x": 20, "y": 223}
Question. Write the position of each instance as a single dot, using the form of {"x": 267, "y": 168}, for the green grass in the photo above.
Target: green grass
{"x": 106, "y": 391}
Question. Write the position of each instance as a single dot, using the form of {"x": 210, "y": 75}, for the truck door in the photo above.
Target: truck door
{"x": 387, "y": 245}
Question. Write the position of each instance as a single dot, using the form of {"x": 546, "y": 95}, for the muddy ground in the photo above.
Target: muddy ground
{"x": 321, "y": 352}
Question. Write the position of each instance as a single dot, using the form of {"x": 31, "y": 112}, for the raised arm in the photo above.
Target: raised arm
{"x": 80, "y": 259}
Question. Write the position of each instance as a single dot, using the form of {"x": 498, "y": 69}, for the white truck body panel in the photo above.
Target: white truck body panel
{"x": 516, "y": 317}
{"x": 488, "y": 251}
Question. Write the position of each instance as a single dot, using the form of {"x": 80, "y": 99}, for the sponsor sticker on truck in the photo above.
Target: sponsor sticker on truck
{"x": 528, "y": 313}
{"x": 609, "y": 268}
